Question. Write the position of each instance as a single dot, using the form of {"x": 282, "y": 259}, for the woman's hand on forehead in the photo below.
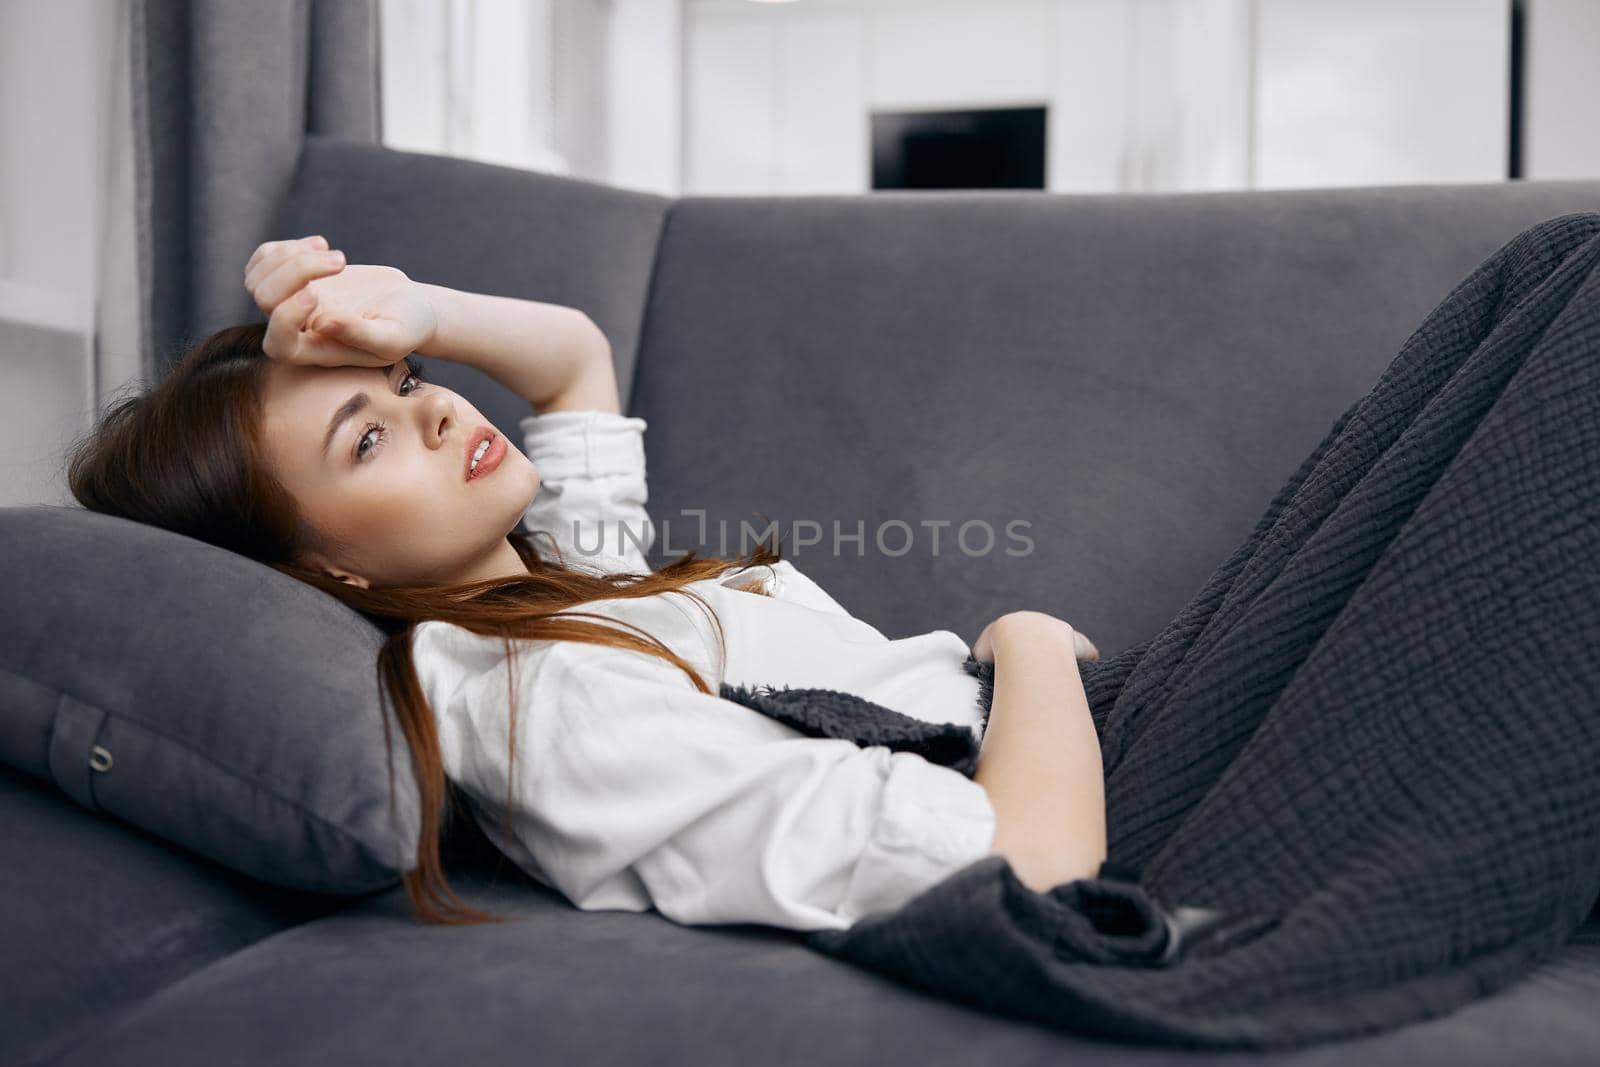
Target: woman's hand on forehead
{"x": 326, "y": 313}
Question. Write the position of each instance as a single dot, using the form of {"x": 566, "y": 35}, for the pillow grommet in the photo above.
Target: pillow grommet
{"x": 74, "y": 733}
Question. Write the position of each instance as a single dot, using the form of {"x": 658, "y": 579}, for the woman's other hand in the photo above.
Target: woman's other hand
{"x": 328, "y": 314}
{"x": 999, "y": 631}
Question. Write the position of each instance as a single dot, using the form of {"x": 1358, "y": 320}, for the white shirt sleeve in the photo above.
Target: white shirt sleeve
{"x": 590, "y": 505}
{"x": 722, "y": 815}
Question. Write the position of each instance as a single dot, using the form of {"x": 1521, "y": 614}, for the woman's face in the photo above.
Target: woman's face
{"x": 397, "y": 497}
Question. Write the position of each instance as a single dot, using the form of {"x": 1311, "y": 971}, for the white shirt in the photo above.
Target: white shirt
{"x": 635, "y": 790}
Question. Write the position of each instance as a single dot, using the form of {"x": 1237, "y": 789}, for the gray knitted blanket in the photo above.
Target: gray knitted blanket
{"x": 1353, "y": 784}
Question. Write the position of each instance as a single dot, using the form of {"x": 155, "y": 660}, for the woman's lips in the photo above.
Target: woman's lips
{"x": 474, "y": 439}
{"x": 470, "y": 446}
{"x": 491, "y": 459}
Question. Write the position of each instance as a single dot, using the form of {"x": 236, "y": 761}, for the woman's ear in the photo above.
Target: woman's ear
{"x": 318, "y": 562}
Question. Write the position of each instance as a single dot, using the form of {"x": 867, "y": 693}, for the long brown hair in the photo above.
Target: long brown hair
{"x": 187, "y": 455}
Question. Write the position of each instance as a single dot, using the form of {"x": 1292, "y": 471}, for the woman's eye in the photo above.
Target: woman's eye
{"x": 375, "y": 427}
{"x": 381, "y": 428}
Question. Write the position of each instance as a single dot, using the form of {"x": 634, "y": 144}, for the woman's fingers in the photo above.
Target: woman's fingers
{"x": 284, "y": 324}
{"x": 286, "y": 276}
{"x": 380, "y": 337}
{"x": 276, "y": 251}
{"x": 280, "y": 277}
{"x": 1085, "y": 647}
{"x": 291, "y": 338}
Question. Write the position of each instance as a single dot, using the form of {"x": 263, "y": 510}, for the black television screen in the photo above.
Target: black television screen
{"x": 994, "y": 148}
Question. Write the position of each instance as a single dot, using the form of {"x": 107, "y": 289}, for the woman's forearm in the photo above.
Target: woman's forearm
{"x": 539, "y": 351}
{"x": 1040, "y": 761}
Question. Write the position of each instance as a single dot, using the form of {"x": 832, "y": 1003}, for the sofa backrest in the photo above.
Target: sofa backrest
{"x": 1133, "y": 375}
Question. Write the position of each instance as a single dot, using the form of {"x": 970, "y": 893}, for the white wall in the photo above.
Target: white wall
{"x": 1561, "y": 125}
{"x": 728, "y": 96}
{"x": 644, "y": 101}
{"x": 68, "y": 313}
{"x": 1373, "y": 92}
{"x": 1143, "y": 94}
{"x": 731, "y": 115}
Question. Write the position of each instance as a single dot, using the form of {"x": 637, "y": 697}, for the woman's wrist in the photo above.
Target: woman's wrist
{"x": 438, "y": 298}
{"x": 535, "y": 349}
{"x": 1027, "y": 630}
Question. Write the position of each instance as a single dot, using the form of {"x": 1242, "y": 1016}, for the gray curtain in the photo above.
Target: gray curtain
{"x": 224, "y": 93}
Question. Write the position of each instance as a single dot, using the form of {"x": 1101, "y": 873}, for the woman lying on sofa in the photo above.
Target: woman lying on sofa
{"x": 1349, "y": 785}
{"x": 630, "y": 782}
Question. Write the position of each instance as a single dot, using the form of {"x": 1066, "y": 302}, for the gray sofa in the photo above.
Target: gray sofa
{"x": 1131, "y": 376}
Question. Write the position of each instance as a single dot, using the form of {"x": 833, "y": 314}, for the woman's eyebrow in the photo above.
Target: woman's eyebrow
{"x": 350, "y": 408}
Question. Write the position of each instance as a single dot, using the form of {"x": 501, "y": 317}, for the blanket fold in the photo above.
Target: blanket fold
{"x": 1352, "y": 784}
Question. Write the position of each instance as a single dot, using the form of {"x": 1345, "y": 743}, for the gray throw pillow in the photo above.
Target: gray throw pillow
{"x": 202, "y": 697}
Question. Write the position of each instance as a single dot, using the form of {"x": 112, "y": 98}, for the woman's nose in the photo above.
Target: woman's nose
{"x": 438, "y": 414}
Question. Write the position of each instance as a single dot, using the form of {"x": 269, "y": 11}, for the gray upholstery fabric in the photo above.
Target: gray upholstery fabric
{"x": 370, "y": 986}
{"x": 853, "y": 357}
{"x": 201, "y": 697}
{"x": 1133, "y": 375}
{"x": 98, "y": 914}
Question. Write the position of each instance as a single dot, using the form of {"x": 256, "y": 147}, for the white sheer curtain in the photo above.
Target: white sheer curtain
{"x": 472, "y": 78}
{"x": 586, "y": 88}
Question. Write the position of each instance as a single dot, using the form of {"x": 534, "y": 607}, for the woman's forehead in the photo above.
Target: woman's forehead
{"x": 308, "y": 378}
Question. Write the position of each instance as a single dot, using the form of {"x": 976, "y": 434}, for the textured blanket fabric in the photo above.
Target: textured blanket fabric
{"x": 1352, "y": 784}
